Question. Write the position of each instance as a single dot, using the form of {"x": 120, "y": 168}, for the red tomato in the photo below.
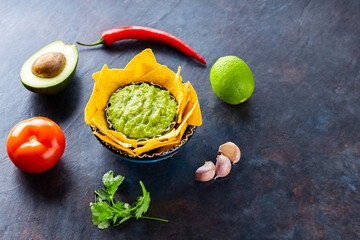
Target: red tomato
{"x": 35, "y": 145}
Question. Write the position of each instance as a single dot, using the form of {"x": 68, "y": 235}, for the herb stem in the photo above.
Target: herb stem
{"x": 153, "y": 218}
{"x": 112, "y": 199}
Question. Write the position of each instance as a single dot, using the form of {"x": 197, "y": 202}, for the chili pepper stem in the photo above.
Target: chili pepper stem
{"x": 100, "y": 41}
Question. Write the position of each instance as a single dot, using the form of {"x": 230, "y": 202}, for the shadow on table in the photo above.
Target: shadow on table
{"x": 60, "y": 106}
{"x": 241, "y": 111}
{"x": 51, "y": 185}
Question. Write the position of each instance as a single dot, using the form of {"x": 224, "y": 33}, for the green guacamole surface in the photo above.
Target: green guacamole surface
{"x": 141, "y": 111}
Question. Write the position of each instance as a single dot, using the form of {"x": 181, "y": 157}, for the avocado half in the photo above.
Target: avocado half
{"x": 55, "y": 84}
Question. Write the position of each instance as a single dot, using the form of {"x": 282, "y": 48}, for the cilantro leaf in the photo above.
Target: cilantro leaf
{"x": 142, "y": 203}
{"x": 122, "y": 217}
{"x": 105, "y": 211}
{"x": 104, "y": 224}
{"x": 112, "y": 183}
{"x": 103, "y": 195}
{"x": 101, "y": 210}
{"x": 122, "y": 220}
{"x": 120, "y": 206}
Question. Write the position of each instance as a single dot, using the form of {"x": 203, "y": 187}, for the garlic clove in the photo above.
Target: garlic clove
{"x": 206, "y": 172}
{"x": 223, "y": 166}
{"x": 231, "y": 151}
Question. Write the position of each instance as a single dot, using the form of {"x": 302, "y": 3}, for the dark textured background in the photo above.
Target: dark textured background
{"x": 299, "y": 132}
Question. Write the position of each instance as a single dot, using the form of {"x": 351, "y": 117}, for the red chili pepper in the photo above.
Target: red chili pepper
{"x": 147, "y": 34}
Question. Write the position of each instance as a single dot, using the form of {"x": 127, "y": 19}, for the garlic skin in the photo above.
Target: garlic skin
{"x": 231, "y": 151}
{"x": 223, "y": 166}
{"x": 206, "y": 172}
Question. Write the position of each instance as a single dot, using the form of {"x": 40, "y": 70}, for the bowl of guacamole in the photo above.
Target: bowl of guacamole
{"x": 144, "y": 112}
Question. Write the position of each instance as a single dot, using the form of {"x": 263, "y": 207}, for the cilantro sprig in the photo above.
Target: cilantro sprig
{"x": 106, "y": 211}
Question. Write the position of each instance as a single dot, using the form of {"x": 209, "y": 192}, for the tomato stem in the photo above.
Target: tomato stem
{"x": 32, "y": 139}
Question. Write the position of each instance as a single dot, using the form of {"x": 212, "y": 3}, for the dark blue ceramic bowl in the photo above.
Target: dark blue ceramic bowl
{"x": 152, "y": 156}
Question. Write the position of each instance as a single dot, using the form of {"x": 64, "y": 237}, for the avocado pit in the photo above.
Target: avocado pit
{"x": 49, "y": 65}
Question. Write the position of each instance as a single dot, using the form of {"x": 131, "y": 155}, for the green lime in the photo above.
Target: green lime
{"x": 232, "y": 80}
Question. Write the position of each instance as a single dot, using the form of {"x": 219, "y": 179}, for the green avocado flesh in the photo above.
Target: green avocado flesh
{"x": 141, "y": 111}
{"x": 54, "y": 84}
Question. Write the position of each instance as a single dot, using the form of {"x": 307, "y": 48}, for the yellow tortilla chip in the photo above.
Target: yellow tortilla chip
{"x": 92, "y": 106}
{"x": 153, "y": 144}
{"x": 112, "y": 143}
{"x": 195, "y": 118}
{"x": 166, "y": 148}
{"x": 96, "y": 76}
{"x": 99, "y": 121}
{"x": 144, "y": 63}
{"x": 169, "y": 135}
{"x": 164, "y": 77}
{"x": 103, "y": 131}
{"x": 182, "y": 127}
{"x": 178, "y": 78}
{"x": 183, "y": 102}
{"x": 179, "y": 130}
{"x": 176, "y": 142}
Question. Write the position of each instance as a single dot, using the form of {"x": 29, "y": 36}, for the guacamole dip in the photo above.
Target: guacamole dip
{"x": 141, "y": 110}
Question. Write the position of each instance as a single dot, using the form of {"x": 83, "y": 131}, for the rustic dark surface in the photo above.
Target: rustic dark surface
{"x": 299, "y": 133}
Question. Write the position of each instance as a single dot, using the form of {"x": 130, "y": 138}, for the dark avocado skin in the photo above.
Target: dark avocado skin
{"x": 55, "y": 88}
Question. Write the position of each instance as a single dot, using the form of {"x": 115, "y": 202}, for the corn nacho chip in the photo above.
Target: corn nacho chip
{"x": 142, "y": 68}
{"x": 112, "y": 143}
{"x": 96, "y": 75}
{"x": 153, "y": 145}
{"x": 195, "y": 118}
{"x": 99, "y": 121}
{"x": 164, "y": 77}
{"x": 144, "y": 63}
{"x": 177, "y": 142}
{"x": 184, "y": 101}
